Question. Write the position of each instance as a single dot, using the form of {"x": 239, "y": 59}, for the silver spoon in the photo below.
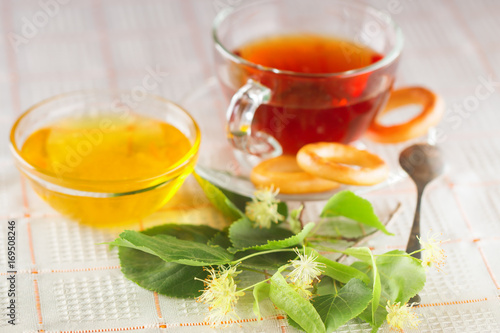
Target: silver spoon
{"x": 423, "y": 163}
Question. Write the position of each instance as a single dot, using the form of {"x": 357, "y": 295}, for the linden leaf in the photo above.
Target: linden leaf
{"x": 362, "y": 253}
{"x": 296, "y": 307}
{"x": 172, "y": 249}
{"x": 336, "y": 310}
{"x": 221, "y": 239}
{"x": 240, "y": 201}
{"x": 244, "y": 237}
{"x": 377, "y": 287}
{"x": 401, "y": 277}
{"x": 218, "y": 199}
{"x": 187, "y": 232}
{"x": 365, "y": 255}
{"x": 292, "y": 323}
{"x": 349, "y": 205}
{"x": 287, "y": 242}
{"x": 167, "y": 278}
{"x": 338, "y": 271}
{"x": 294, "y": 219}
{"x": 243, "y": 234}
{"x": 283, "y": 210}
{"x": 341, "y": 227}
{"x": 269, "y": 261}
{"x": 374, "y": 321}
{"x": 326, "y": 286}
{"x": 260, "y": 292}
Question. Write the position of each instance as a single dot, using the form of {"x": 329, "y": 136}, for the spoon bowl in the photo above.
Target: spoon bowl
{"x": 422, "y": 162}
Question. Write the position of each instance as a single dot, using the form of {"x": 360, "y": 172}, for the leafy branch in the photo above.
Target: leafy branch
{"x": 190, "y": 261}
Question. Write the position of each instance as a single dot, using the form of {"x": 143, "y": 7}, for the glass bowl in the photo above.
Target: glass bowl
{"x": 108, "y": 199}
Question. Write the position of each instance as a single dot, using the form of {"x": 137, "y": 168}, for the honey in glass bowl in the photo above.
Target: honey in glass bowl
{"x": 102, "y": 163}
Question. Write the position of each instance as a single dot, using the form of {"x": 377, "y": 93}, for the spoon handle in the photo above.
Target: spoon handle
{"x": 413, "y": 243}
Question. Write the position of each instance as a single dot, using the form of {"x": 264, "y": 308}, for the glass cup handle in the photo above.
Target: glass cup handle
{"x": 239, "y": 119}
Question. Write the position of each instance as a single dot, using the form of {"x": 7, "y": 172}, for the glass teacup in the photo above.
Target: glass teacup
{"x": 277, "y": 106}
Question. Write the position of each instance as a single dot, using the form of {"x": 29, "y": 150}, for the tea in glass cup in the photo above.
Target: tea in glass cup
{"x": 306, "y": 112}
{"x": 299, "y": 72}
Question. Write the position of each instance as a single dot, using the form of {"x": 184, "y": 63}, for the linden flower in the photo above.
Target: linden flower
{"x": 267, "y": 194}
{"x": 302, "y": 289}
{"x": 221, "y": 295}
{"x": 263, "y": 209}
{"x": 432, "y": 253}
{"x": 306, "y": 269}
{"x": 401, "y": 317}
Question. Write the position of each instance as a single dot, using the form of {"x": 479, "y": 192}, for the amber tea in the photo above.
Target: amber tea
{"x": 306, "y": 108}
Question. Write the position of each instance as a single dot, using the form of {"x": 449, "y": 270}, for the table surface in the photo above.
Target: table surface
{"x": 68, "y": 283}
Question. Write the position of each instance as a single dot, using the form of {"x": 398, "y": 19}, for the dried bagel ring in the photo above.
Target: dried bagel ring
{"x": 432, "y": 111}
{"x": 284, "y": 173}
{"x": 328, "y": 160}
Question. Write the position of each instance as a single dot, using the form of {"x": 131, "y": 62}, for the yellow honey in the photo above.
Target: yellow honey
{"x": 109, "y": 169}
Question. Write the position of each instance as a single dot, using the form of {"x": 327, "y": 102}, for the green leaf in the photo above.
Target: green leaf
{"x": 283, "y": 209}
{"x": 269, "y": 261}
{"x": 377, "y": 287}
{"x": 338, "y": 271}
{"x": 166, "y": 278}
{"x": 342, "y": 227}
{"x": 402, "y": 276}
{"x": 220, "y": 239}
{"x": 172, "y": 249}
{"x": 240, "y": 201}
{"x": 349, "y": 302}
{"x": 187, "y": 232}
{"x": 219, "y": 200}
{"x": 296, "y": 307}
{"x": 294, "y": 221}
{"x": 243, "y": 234}
{"x": 326, "y": 286}
{"x": 287, "y": 242}
{"x": 292, "y": 323}
{"x": 245, "y": 237}
{"x": 377, "y": 290}
{"x": 260, "y": 292}
{"x": 348, "y": 204}
{"x": 365, "y": 255}
{"x": 362, "y": 253}
{"x": 375, "y": 321}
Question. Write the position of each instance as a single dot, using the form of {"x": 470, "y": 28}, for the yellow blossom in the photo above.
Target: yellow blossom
{"x": 432, "y": 253}
{"x": 267, "y": 194}
{"x": 302, "y": 289}
{"x": 263, "y": 209}
{"x": 401, "y": 317}
{"x": 306, "y": 269}
{"x": 221, "y": 295}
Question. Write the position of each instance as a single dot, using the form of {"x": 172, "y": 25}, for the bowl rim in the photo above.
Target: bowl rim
{"x": 54, "y": 179}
